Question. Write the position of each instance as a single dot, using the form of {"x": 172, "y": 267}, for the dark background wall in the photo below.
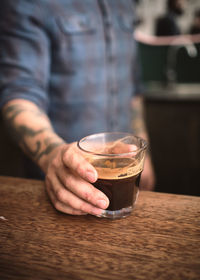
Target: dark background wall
{"x": 173, "y": 118}
{"x": 174, "y": 130}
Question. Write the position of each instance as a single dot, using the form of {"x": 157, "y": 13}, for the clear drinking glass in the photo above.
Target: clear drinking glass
{"x": 118, "y": 158}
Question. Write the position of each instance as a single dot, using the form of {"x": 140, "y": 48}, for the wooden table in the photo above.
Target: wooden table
{"x": 160, "y": 240}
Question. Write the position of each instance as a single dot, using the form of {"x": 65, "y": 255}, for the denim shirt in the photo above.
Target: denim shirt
{"x": 76, "y": 59}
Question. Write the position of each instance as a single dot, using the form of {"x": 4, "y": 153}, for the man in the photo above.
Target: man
{"x": 66, "y": 71}
{"x": 167, "y": 25}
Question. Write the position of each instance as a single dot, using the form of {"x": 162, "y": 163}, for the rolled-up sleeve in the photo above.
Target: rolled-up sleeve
{"x": 24, "y": 53}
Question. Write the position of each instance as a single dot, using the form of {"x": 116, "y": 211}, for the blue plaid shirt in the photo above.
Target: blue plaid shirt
{"x": 76, "y": 59}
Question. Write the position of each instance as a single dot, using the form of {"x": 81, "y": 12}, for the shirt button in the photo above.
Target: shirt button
{"x": 110, "y": 58}
{"x": 113, "y": 124}
{"x": 113, "y": 90}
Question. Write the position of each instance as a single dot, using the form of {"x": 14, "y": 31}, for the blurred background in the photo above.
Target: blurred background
{"x": 168, "y": 35}
{"x": 148, "y": 10}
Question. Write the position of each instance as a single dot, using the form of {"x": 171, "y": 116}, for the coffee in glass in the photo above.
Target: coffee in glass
{"x": 118, "y": 158}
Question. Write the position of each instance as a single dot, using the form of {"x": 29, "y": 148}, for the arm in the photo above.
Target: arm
{"x": 24, "y": 75}
{"x": 68, "y": 174}
{"x": 139, "y": 128}
{"x": 29, "y": 126}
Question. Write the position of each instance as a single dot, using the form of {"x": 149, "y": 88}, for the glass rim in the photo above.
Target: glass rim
{"x": 144, "y": 146}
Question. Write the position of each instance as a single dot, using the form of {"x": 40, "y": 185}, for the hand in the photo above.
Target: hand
{"x": 68, "y": 183}
{"x": 147, "y": 181}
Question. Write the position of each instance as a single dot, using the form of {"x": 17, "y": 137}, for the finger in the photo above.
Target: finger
{"x": 75, "y": 161}
{"x": 59, "y": 196}
{"x": 82, "y": 188}
{"x": 59, "y": 205}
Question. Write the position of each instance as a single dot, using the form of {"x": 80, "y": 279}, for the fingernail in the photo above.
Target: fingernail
{"x": 92, "y": 176}
{"x": 98, "y": 212}
{"x": 102, "y": 203}
{"x": 102, "y": 214}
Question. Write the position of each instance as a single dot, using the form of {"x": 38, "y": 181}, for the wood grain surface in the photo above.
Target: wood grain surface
{"x": 160, "y": 240}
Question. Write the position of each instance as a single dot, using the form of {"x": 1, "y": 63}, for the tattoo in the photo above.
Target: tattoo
{"x": 48, "y": 149}
{"x": 21, "y": 133}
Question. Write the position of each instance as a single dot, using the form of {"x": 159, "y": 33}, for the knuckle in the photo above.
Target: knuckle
{"x": 67, "y": 181}
{"x": 60, "y": 195}
{"x": 82, "y": 207}
{"x": 69, "y": 153}
{"x": 54, "y": 163}
{"x": 77, "y": 205}
{"x": 88, "y": 196}
{"x": 79, "y": 169}
{"x": 57, "y": 205}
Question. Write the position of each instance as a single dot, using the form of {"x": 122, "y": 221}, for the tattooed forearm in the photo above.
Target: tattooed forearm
{"x": 13, "y": 110}
{"x": 35, "y": 138}
{"x": 48, "y": 150}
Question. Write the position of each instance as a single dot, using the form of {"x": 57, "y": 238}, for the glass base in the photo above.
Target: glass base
{"x": 118, "y": 214}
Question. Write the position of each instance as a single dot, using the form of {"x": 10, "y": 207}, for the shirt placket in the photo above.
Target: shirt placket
{"x": 110, "y": 48}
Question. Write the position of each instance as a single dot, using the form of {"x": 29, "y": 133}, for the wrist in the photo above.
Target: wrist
{"x": 49, "y": 154}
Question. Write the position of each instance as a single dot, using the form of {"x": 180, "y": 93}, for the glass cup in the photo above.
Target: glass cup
{"x": 118, "y": 158}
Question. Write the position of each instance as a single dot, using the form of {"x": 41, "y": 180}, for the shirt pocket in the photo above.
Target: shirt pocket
{"x": 76, "y": 39}
{"x": 76, "y": 56}
{"x": 76, "y": 25}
